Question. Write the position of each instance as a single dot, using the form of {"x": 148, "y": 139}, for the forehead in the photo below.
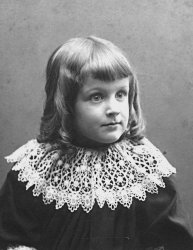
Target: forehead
{"x": 92, "y": 84}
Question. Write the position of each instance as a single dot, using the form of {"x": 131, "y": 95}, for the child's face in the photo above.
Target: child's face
{"x": 102, "y": 111}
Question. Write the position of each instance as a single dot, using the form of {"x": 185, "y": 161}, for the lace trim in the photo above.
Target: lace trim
{"x": 116, "y": 175}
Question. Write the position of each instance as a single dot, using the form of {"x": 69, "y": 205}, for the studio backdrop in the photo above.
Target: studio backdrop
{"x": 157, "y": 37}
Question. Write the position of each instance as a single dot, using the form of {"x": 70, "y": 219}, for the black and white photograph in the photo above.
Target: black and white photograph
{"x": 96, "y": 125}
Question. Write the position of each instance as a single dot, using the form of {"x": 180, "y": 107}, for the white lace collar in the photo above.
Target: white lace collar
{"x": 116, "y": 175}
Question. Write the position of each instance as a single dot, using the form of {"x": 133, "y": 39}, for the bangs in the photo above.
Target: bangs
{"x": 94, "y": 57}
{"x": 106, "y": 63}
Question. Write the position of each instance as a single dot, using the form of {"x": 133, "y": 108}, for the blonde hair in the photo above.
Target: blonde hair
{"x": 68, "y": 68}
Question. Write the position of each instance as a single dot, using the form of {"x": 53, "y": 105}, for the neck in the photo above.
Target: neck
{"x": 82, "y": 141}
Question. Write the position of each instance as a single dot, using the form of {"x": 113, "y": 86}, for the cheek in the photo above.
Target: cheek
{"x": 90, "y": 112}
{"x": 125, "y": 114}
{"x": 84, "y": 116}
{"x": 125, "y": 109}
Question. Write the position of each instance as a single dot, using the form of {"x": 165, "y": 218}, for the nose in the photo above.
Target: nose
{"x": 112, "y": 109}
{"x": 111, "y": 112}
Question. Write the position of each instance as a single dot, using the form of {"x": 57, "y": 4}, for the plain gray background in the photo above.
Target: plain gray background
{"x": 156, "y": 35}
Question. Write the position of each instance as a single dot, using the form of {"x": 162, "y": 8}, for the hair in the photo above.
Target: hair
{"x": 68, "y": 68}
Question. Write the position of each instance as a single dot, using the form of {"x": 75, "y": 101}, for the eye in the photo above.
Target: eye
{"x": 121, "y": 94}
{"x": 96, "y": 97}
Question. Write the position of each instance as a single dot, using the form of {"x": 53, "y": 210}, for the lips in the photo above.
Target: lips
{"x": 111, "y": 124}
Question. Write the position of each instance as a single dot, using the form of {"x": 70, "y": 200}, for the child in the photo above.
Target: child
{"x": 91, "y": 180}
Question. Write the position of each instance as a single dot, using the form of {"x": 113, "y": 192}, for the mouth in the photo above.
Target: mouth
{"x": 111, "y": 124}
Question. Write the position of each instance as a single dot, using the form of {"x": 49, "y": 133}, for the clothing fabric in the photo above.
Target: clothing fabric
{"x": 33, "y": 219}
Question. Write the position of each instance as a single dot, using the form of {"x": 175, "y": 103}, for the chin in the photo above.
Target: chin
{"x": 110, "y": 140}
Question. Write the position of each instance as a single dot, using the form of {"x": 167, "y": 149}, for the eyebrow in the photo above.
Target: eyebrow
{"x": 104, "y": 88}
{"x": 94, "y": 89}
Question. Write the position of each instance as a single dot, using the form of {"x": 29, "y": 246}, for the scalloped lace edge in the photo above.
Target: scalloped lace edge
{"x": 118, "y": 175}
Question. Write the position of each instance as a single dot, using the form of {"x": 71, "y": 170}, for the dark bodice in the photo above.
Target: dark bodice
{"x": 155, "y": 222}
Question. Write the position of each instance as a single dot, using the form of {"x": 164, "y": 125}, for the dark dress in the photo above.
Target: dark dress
{"x": 151, "y": 224}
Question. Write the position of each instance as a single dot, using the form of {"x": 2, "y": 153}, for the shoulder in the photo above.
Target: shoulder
{"x": 153, "y": 158}
{"x": 31, "y": 160}
{"x": 24, "y": 181}
{"x": 146, "y": 141}
{"x": 12, "y": 186}
{"x": 148, "y": 145}
{"x": 36, "y": 172}
{"x": 15, "y": 196}
{"x": 160, "y": 172}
